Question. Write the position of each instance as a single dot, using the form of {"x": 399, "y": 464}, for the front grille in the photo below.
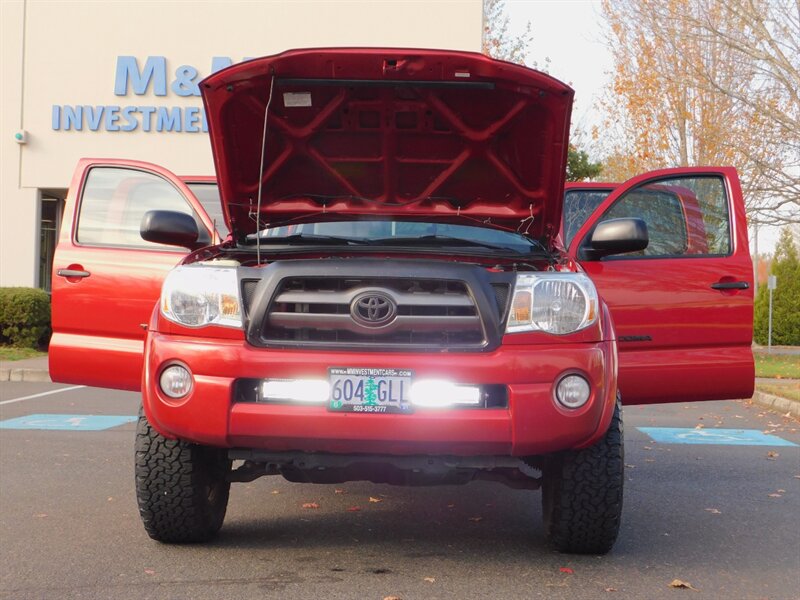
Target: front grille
{"x": 430, "y": 313}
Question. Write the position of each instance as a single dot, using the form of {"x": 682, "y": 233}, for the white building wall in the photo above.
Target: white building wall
{"x": 66, "y": 54}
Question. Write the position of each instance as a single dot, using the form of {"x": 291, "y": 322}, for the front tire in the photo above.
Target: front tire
{"x": 182, "y": 489}
{"x": 582, "y": 494}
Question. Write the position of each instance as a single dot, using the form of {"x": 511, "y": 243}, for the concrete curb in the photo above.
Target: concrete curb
{"x": 22, "y": 374}
{"x": 776, "y": 403}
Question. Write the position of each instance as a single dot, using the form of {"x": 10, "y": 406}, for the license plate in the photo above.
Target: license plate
{"x": 362, "y": 390}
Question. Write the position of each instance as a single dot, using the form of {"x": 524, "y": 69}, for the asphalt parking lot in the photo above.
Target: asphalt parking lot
{"x": 721, "y": 516}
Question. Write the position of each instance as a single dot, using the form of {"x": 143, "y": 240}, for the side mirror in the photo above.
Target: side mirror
{"x": 170, "y": 227}
{"x": 616, "y": 236}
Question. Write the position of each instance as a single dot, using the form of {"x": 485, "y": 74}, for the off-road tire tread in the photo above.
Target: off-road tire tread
{"x": 172, "y": 484}
{"x": 582, "y": 494}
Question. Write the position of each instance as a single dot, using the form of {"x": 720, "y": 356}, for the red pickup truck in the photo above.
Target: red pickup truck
{"x": 387, "y": 293}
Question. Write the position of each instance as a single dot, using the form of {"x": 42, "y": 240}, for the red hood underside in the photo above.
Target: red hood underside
{"x": 384, "y": 133}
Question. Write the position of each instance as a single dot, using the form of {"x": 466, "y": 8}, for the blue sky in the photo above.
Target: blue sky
{"x": 570, "y": 34}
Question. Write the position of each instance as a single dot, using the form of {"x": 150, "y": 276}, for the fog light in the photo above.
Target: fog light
{"x": 175, "y": 381}
{"x": 296, "y": 390}
{"x": 440, "y": 394}
{"x": 573, "y": 391}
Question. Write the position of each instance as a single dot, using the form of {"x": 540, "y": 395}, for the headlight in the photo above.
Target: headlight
{"x": 196, "y": 296}
{"x": 556, "y": 303}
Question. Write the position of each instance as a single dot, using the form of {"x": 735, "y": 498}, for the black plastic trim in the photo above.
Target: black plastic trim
{"x": 477, "y": 280}
{"x": 288, "y": 81}
{"x": 730, "y": 285}
{"x": 493, "y": 395}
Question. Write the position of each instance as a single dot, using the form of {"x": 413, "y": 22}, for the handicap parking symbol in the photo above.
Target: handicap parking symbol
{"x": 726, "y": 437}
{"x": 55, "y": 422}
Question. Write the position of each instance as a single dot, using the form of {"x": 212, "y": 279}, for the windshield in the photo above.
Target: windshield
{"x": 578, "y": 206}
{"x": 208, "y": 195}
{"x": 400, "y": 233}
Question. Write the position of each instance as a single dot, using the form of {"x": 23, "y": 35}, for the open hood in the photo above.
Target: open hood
{"x": 388, "y": 133}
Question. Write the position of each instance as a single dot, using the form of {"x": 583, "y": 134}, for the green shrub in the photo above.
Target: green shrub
{"x": 24, "y": 317}
{"x": 786, "y": 297}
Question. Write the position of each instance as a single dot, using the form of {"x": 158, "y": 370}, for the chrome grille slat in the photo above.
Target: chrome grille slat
{"x": 344, "y": 298}
{"x": 299, "y": 320}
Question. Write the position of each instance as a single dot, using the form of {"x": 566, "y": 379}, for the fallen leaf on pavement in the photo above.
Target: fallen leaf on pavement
{"x": 150, "y": 571}
{"x": 684, "y": 585}
{"x": 354, "y": 509}
{"x": 772, "y": 455}
{"x": 566, "y": 570}
{"x": 714, "y": 511}
{"x": 337, "y": 491}
{"x": 610, "y": 589}
{"x": 475, "y": 519}
{"x": 276, "y": 492}
{"x": 310, "y": 505}
{"x": 429, "y": 579}
{"x": 372, "y": 499}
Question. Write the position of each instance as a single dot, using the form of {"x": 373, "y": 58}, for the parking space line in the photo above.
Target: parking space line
{"x": 32, "y": 396}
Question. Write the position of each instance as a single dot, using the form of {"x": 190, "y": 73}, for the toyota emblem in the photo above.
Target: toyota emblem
{"x": 373, "y": 309}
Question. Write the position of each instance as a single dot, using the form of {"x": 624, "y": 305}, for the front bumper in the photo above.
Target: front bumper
{"x": 531, "y": 424}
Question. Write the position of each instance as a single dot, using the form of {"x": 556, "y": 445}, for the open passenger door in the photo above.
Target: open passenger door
{"x": 106, "y": 278}
{"x": 683, "y": 307}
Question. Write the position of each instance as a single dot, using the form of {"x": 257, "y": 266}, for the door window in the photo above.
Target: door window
{"x": 114, "y": 202}
{"x": 684, "y": 216}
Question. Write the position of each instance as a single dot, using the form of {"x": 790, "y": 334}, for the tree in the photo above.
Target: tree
{"x": 497, "y": 41}
{"x": 579, "y": 168}
{"x": 703, "y": 82}
{"x": 785, "y": 299}
{"x": 765, "y": 36}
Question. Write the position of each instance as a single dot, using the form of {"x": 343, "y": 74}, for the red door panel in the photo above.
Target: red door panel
{"x": 681, "y": 335}
{"x": 106, "y": 279}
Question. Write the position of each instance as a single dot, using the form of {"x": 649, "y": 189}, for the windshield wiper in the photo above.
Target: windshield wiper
{"x": 307, "y": 239}
{"x": 425, "y": 240}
